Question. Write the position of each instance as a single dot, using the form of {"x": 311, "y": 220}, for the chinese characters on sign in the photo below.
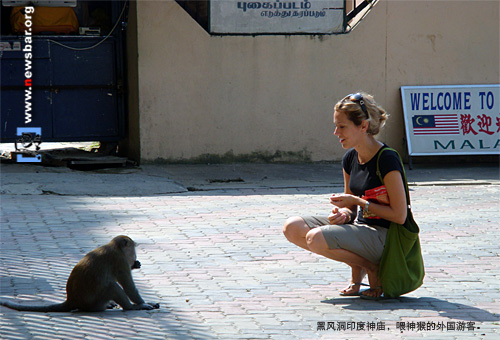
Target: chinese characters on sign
{"x": 452, "y": 120}
{"x": 408, "y": 326}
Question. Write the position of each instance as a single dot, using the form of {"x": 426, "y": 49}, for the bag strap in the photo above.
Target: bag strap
{"x": 404, "y": 173}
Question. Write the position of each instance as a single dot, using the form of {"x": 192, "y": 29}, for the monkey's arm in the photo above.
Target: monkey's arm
{"x": 127, "y": 282}
{"x": 130, "y": 289}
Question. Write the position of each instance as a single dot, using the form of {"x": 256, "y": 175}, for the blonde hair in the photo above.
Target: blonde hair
{"x": 352, "y": 109}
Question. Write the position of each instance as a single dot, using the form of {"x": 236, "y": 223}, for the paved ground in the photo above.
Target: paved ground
{"x": 215, "y": 258}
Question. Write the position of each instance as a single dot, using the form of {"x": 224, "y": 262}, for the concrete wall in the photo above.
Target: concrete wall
{"x": 202, "y": 94}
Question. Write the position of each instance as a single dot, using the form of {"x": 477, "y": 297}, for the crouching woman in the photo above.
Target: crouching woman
{"x": 355, "y": 231}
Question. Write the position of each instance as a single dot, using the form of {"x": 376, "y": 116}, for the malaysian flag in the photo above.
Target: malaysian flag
{"x": 435, "y": 125}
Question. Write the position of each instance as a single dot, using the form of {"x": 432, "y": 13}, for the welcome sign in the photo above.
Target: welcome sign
{"x": 452, "y": 120}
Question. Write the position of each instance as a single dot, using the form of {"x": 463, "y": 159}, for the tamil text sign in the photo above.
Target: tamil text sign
{"x": 452, "y": 120}
{"x": 275, "y": 16}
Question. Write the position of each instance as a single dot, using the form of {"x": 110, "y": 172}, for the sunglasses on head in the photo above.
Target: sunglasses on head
{"x": 358, "y": 98}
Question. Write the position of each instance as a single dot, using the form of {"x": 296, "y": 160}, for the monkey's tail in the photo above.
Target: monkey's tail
{"x": 57, "y": 307}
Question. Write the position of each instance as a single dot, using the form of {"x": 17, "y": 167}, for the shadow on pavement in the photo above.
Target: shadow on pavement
{"x": 104, "y": 325}
{"x": 445, "y": 308}
{"x": 43, "y": 240}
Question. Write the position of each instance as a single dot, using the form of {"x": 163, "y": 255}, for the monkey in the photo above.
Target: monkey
{"x": 102, "y": 279}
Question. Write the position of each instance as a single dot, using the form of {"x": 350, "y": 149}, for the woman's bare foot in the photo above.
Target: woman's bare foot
{"x": 375, "y": 290}
{"x": 352, "y": 289}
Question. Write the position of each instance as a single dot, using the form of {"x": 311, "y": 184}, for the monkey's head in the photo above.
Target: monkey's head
{"x": 127, "y": 245}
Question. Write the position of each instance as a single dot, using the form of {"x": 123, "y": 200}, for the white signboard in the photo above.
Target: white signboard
{"x": 275, "y": 16}
{"x": 452, "y": 120}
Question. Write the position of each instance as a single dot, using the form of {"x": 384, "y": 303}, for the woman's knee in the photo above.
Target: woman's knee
{"x": 295, "y": 227}
{"x": 316, "y": 241}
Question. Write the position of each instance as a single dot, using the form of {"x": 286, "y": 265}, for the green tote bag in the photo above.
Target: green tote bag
{"x": 401, "y": 268}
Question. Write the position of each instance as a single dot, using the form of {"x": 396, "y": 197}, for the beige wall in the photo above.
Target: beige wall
{"x": 202, "y": 94}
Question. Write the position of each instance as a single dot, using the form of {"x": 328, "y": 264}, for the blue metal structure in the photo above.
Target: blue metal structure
{"x": 77, "y": 85}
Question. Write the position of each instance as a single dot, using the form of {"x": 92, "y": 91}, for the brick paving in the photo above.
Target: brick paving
{"x": 221, "y": 269}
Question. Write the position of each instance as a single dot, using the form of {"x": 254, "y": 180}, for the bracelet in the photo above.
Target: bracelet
{"x": 367, "y": 206}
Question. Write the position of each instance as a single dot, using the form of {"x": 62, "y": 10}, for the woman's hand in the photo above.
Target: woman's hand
{"x": 338, "y": 216}
{"x": 344, "y": 200}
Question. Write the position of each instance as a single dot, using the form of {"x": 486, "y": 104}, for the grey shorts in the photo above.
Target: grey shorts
{"x": 362, "y": 239}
